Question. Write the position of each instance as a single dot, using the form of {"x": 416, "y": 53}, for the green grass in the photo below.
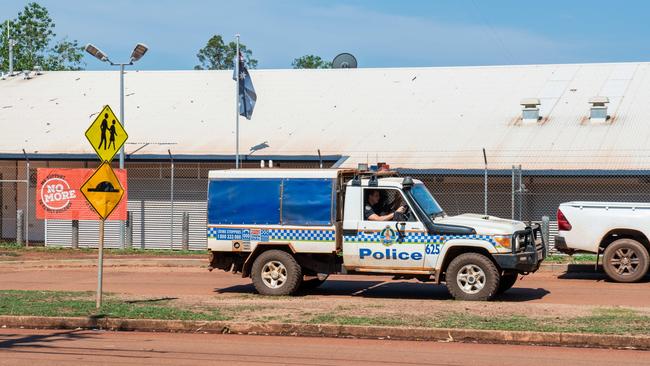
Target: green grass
{"x": 577, "y": 258}
{"x": 357, "y": 320}
{"x": 602, "y": 321}
{"x": 10, "y": 246}
{"x": 61, "y": 303}
{"x": 607, "y": 320}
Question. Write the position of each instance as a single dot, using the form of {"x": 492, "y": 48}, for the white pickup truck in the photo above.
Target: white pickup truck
{"x": 289, "y": 229}
{"x": 618, "y": 230}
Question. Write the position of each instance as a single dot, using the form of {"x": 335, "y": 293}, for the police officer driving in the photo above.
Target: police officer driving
{"x": 373, "y": 197}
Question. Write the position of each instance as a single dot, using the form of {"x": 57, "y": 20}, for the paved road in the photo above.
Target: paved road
{"x": 543, "y": 287}
{"x": 21, "y": 347}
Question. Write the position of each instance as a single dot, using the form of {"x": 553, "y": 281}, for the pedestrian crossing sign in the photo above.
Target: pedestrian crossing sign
{"x": 106, "y": 134}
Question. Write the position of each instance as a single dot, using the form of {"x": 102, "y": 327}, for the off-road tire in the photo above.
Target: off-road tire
{"x": 490, "y": 272}
{"x": 293, "y": 273}
{"x": 507, "y": 280}
{"x": 614, "y": 260}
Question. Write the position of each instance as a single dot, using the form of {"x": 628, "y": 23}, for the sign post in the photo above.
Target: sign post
{"x": 100, "y": 265}
{"x": 103, "y": 190}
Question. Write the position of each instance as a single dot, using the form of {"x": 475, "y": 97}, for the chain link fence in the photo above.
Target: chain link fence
{"x": 167, "y": 199}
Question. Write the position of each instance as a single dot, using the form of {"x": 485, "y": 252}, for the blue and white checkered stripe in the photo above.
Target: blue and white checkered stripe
{"x": 329, "y": 235}
{"x": 301, "y": 235}
{"x": 418, "y": 238}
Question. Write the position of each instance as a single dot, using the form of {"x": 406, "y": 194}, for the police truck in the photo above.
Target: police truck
{"x": 290, "y": 229}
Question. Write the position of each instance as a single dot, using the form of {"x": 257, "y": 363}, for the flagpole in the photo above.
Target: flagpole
{"x": 237, "y": 106}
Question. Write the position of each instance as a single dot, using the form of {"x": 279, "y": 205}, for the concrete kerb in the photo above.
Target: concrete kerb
{"x": 334, "y": 331}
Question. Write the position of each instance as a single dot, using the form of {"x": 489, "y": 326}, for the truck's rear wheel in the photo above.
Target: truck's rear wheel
{"x": 508, "y": 280}
{"x": 626, "y": 260}
{"x": 472, "y": 277}
{"x": 276, "y": 273}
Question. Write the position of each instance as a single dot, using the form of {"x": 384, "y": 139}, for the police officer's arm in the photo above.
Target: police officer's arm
{"x": 388, "y": 217}
{"x": 375, "y": 217}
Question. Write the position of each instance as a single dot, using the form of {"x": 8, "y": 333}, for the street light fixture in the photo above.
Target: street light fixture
{"x": 139, "y": 51}
{"x": 96, "y": 52}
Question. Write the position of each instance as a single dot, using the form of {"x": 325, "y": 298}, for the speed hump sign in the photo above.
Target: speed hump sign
{"x": 103, "y": 190}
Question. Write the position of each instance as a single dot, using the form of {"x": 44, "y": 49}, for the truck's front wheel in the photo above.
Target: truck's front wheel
{"x": 473, "y": 277}
{"x": 626, "y": 260}
{"x": 276, "y": 273}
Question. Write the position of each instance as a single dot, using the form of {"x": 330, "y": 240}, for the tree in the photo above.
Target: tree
{"x": 216, "y": 55}
{"x": 311, "y": 62}
{"x": 33, "y": 34}
{"x": 66, "y": 55}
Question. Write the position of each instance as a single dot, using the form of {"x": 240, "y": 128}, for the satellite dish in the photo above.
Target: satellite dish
{"x": 344, "y": 61}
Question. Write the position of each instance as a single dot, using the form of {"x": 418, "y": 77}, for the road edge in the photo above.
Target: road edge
{"x": 333, "y": 331}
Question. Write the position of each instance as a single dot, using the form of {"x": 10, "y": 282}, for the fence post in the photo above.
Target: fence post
{"x": 546, "y": 230}
{"x": 19, "y": 227}
{"x": 129, "y": 230}
{"x": 28, "y": 179}
{"x": 520, "y": 190}
{"x": 485, "y": 185}
{"x": 186, "y": 231}
{"x": 512, "y": 206}
{"x": 75, "y": 234}
{"x": 142, "y": 226}
{"x": 171, "y": 189}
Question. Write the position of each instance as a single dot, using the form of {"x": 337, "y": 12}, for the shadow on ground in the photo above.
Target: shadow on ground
{"x": 10, "y": 340}
{"x": 392, "y": 290}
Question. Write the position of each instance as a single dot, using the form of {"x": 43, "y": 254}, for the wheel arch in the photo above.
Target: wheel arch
{"x": 623, "y": 233}
{"x": 261, "y": 248}
{"x": 452, "y": 251}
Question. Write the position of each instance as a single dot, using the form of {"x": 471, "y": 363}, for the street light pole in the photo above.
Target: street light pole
{"x": 122, "y": 114}
{"x": 237, "y": 105}
{"x": 139, "y": 51}
{"x": 122, "y": 226}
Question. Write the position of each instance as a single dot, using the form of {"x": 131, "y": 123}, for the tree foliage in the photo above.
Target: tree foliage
{"x": 33, "y": 33}
{"x": 311, "y": 62}
{"x": 217, "y": 55}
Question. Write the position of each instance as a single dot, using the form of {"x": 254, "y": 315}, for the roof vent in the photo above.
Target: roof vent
{"x": 26, "y": 74}
{"x": 598, "y": 110}
{"x": 530, "y": 110}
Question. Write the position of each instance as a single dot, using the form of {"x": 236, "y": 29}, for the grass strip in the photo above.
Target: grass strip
{"x": 577, "y": 258}
{"x": 618, "y": 321}
{"x": 79, "y": 304}
{"x": 603, "y": 320}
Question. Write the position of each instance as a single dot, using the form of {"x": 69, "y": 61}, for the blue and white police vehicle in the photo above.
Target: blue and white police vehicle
{"x": 289, "y": 229}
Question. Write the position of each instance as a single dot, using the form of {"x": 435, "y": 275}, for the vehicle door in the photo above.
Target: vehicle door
{"x": 395, "y": 244}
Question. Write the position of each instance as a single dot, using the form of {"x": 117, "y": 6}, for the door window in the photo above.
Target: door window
{"x": 381, "y": 201}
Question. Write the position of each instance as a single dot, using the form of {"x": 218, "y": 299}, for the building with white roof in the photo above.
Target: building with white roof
{"x": 559, "y": 122}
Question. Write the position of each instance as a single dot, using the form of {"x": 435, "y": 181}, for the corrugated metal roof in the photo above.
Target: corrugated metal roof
{"x": 422, "y": 118}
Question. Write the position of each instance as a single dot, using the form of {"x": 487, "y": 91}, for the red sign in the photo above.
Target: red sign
{"x": 58, "y": 195}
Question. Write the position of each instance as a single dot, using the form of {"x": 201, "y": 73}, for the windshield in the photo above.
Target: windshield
{"x": 426, "y": 200}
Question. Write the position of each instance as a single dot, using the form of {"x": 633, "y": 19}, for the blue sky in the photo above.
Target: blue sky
{"x": 379, "y": 33}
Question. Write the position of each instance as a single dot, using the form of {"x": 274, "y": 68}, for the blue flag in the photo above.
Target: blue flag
{"x": 247, "y": 96}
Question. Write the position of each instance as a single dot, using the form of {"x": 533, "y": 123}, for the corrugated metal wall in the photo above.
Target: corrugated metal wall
{"x": 155, "y": 233}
